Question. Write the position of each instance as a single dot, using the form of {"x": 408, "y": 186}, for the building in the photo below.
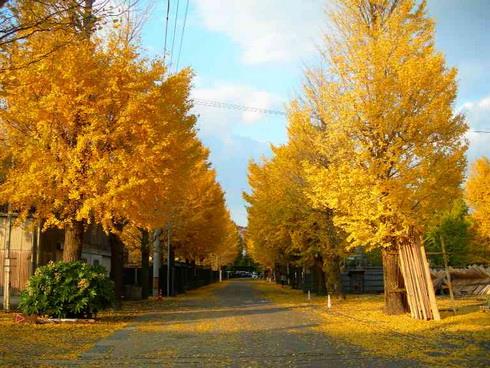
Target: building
{"x": 30, "y": 248}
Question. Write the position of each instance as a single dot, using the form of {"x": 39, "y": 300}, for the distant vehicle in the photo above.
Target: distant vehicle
{"x": 255, "y": 275}
{"x": 243, "y": 274}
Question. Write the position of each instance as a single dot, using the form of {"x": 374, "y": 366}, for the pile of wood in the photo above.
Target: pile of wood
{"x": 418, "y": 283}
{"x": 473, "y": 280}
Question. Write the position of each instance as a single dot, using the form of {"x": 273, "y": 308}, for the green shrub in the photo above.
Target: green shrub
{"x": 67, "y": 290}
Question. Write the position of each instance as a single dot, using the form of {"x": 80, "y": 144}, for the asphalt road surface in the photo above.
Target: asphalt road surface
{"x": 228, "y": 325}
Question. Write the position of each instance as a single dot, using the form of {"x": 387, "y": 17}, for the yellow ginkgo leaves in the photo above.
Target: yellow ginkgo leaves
{"x": 95, "y": 132}
{"x": 384, "y": 149}
{"x": 478, "y": 195}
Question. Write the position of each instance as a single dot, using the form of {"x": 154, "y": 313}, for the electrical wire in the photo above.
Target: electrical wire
{"x": 182, "y": 35}
{"x": 237, "y": 107}
{"x": 175, "y": 29}
{"x": 166, "y": 30}
{"x": 232, "y": 106}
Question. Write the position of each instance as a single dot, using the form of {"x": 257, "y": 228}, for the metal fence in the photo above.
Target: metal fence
{"x": 183, "y": 277}
{"x": 354, "y": 281}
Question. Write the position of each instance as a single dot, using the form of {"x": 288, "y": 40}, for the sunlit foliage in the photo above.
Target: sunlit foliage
{"x": 478, "y": 194}
{"x": 394, "y": 147}
{"x": 283, "y": 225}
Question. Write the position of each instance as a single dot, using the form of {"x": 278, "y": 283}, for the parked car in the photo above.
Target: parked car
{"x": 243, "y": 274}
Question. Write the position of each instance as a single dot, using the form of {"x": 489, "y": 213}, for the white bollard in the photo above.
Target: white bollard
{"x": 329, "y": 302}
{"x": 309, "y": 295}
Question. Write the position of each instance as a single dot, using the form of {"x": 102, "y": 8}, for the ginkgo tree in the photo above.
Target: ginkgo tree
{"x": 202, "y": 229}
{"x": 393, "y": 147}
{"x": 266, "y": 239}
{"x": 199, "y": 225}
{"x": 95, "y": 133}
{"x": 283, "y": 225}
{"x": 21, "y": 19}
{"x": 477, "y": 194}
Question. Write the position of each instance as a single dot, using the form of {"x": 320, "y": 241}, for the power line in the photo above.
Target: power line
{"x": 182, "y": 35}
{"x": 231, "y": 106}
{"x": 166, "y": 30}
{"x": 237, "y": 107}
{"x": 175, "y": 29}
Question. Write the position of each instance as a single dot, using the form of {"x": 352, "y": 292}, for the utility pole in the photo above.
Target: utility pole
{"x": 446, "y": 267}
{"x": 6, "y": 264}
{"x": 156, "y": 262}
{"x": 169, "y": 262}
{"x": 219, "y": 269}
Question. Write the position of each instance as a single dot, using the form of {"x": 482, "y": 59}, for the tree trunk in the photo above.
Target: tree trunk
{"x": 117, "y": 267}
{"x": 145, "y": 264}
{"x": 395, "y": 297}
{"x": 321, "y": 282}
{"x": 334, "y": 281}
{"x": 73, "y": 244}
{"x": 332, "y": 258}
{"x": 88, "y": 20}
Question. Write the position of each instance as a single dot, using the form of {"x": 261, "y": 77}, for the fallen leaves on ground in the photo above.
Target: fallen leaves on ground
{"x": 455, "y": 341}
{"x": 28, "y": 344}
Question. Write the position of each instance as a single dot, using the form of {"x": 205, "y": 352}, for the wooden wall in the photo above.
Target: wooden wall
{"x": 20, "y": 254}
{"x": 25, "y": 254}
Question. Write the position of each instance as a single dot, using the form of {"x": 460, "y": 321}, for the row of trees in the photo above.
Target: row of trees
{"x": 376, "y": 154}
{"x": 283, "y": 225}
{"x": 91, "y": 131}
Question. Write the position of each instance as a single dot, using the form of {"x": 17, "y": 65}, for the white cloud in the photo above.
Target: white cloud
{"x": 478, "y": 115}
{"x": 267, "y": 31}
{"x": 222, "y": 121}
{"x": 233, "y": 135}
{"x": 230, "y": 157}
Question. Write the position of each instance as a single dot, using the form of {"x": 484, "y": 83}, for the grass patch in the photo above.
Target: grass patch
{"x": 458, "y": 340}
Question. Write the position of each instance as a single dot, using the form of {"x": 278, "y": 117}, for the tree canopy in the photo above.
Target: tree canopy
{"x": 283, "y": 225}
{"x": 393, "y": 144}
{"x": 95, "y": 132}
{"x": 478, "y": 194}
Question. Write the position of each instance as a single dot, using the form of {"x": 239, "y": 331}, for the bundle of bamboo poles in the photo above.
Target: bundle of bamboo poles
{"x": 418, "y": 283}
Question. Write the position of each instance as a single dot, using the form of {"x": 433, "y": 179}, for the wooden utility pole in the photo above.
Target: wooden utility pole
{"x": 446, "y": 267}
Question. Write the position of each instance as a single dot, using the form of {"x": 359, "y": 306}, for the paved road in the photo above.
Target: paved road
{"x": 228, "y": 326}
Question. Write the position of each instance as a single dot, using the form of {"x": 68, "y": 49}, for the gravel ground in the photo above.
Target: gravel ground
{"x": 229, "y": 325}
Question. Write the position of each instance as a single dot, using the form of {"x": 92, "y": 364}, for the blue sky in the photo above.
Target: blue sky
{"x": 253, "y": 53}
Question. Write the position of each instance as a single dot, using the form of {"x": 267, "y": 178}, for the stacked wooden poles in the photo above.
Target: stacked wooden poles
{"x": 418, "y": 283}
